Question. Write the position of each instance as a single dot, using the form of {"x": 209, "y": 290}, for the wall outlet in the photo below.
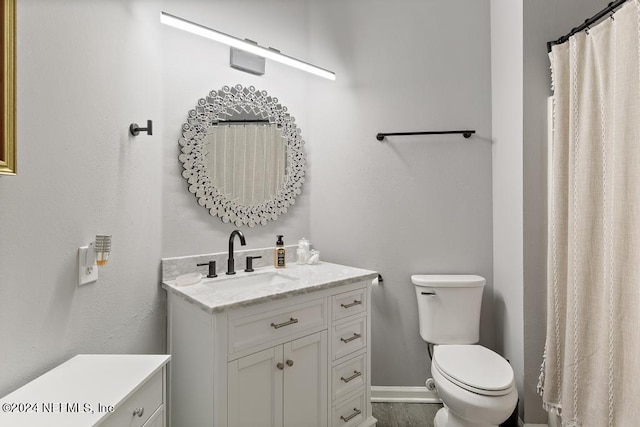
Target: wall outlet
{"x": 86, "y": 274}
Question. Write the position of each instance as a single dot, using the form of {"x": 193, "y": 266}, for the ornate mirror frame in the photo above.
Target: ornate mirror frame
{"x": 219, "y": 106}
{"x": 8, "y": 89}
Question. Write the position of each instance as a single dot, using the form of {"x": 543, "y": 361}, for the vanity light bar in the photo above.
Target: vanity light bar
{"x": 244, "y": 45}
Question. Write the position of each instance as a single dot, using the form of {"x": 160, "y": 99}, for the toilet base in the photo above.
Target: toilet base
{"x": 445, "y": 418}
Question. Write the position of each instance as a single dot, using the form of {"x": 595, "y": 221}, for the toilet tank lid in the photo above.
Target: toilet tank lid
{"x": 448, "y": 280}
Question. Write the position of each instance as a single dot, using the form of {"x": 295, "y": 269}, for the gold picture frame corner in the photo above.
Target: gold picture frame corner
{"x": 8, "y": 145}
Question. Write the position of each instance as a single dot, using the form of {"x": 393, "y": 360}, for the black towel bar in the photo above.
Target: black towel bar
{"x": 465, "y": 133}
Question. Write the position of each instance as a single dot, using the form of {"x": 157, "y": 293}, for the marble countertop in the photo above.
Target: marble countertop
{"x": 295, "y": 280}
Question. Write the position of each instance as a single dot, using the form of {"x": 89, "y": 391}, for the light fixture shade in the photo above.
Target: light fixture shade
{"x": 244, "y": 45}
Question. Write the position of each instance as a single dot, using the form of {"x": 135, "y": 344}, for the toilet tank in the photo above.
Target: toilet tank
{"x": 449, "y": 307}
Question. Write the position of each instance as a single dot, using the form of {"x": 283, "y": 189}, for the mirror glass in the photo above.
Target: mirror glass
{"x": 246, "y": 159}
{"x": 242, "y": 155}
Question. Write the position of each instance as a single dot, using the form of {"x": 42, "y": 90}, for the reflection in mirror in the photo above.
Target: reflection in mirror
{"x": 246, "y": 159}
{"x": 242, "y": 155}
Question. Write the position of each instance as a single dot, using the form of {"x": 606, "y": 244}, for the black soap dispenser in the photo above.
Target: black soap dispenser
{"x": 279, "y": 256}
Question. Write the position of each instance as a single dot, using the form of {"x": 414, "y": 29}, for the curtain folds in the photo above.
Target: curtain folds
{"x": 591, "y": 368}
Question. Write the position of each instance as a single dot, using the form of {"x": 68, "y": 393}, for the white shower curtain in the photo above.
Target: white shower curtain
{"x": 246, "y": 162}
{"x": 591, "y": 368}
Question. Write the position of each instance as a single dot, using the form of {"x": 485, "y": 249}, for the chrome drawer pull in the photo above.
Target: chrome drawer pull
{"x": 355, "y": 375}
{"x": 355, "y": 302}
{"x": 289, "y": 363}
{"x": 138, "y": 412}
{"x": 280, "y": 366}
{"x": 354, "y": 337}
{"x": 355, "y": 414}
{"x": 291, "y": 321}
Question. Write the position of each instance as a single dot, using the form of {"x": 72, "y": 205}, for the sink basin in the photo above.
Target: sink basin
{"x": 246, "y": 281}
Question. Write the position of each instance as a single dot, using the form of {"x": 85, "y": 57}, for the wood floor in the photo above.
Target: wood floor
{"x": 405, "y": 414}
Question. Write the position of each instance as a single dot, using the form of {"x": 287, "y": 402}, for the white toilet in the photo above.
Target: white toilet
{"x": 476, "y": 385}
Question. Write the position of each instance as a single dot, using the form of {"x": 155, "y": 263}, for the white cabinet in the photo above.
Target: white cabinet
{"x": 255, "y": 389}
{"x": 281, "y": 386}
{"x": 351, "y": 412}
{"x": 349, "y": 376}
{"x": 106, "y": 390}
{"x": 305, "y": 381}
{"x": 248, "y": 330}
{"x": 135, "y": 411}
{"x": 299, "y": 361}
{"x": 157, "y": 419}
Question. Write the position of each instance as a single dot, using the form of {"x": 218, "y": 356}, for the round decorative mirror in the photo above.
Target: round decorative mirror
{"x": 242, "y": 155}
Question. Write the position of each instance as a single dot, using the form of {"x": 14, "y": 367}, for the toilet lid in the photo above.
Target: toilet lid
{"x": 474, "y": 368}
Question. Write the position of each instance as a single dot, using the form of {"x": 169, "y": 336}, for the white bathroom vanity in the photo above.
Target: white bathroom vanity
{"x": 274, "y": 347}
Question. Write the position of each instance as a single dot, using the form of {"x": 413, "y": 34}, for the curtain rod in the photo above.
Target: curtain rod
{"x": 609, "y": 10}
{"x": 246, "y": 122}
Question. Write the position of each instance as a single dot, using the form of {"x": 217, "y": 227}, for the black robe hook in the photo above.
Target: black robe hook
{"x": 135, "y": 129}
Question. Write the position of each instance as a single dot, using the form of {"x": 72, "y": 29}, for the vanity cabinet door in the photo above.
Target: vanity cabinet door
{"x": 305, "y": 381}
{"x": 283, "y": 386}
{"x": 255, "y": 389}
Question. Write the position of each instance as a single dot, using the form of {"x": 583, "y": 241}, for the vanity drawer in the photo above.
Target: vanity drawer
{"x": 252, "y": 330}
{"x": 350, "y": 413}
{"x": 137, "y": 409}
{"x": 348, "y": 337}
{"x": 348, "y": 376}
{"x": 349, "y": 303}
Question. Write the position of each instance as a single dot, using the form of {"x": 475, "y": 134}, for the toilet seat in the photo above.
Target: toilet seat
{"x": 474, "y": 368}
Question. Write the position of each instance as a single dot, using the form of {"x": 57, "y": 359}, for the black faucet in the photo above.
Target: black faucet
{"x": 212, "y": 268}
{"x": 250, "y": 259}
{"x": 230, "y": 263}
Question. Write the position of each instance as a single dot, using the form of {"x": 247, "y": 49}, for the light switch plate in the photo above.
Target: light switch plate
{"x": 85, "y": 275}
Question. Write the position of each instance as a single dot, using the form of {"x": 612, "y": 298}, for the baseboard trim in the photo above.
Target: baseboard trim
{"x": 403, "y": 394}
{"x": 523, "y": 424}
{"x": 369, "y": 422}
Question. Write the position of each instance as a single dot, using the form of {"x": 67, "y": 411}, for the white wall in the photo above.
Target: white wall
{"x": 405, "y": 205}
{"x": 193, "y": 66}
{"x": 507, "y": 126}
{"x": 86, "y": 70}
